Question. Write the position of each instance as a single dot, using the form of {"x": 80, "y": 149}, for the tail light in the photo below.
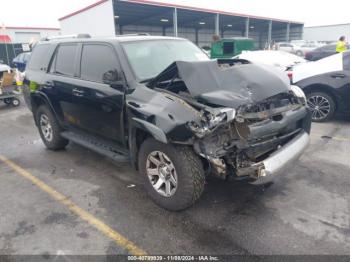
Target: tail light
{"x": 290, "y": 75}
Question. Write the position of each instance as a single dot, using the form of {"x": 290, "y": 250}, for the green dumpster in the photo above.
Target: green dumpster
{"x": 230, "y": 47}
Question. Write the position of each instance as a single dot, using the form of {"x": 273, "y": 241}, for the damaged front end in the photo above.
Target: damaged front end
{"x": 258, "y": 142}
{"x": 250, "y": 123}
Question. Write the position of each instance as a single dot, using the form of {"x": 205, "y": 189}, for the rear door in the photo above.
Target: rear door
{"x": 100, "y": 104}
{"x": 63, "y": 70}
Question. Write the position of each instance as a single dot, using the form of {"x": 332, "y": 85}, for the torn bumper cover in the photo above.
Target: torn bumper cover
{"x": 272, "y": 166}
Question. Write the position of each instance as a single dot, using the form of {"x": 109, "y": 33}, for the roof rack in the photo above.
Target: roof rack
{"x": 58, "y": 37}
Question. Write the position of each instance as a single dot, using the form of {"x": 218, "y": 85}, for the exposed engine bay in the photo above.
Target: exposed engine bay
{"x": 244, "y": 112}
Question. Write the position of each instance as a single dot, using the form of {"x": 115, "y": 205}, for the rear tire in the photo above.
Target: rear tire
{"x": 322, "y": 106}
{"x": 181, "y": 165}
{"x": 49, "y": 129}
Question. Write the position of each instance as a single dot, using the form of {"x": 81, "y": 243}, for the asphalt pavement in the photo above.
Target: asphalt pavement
{"x": 78, "y": 202}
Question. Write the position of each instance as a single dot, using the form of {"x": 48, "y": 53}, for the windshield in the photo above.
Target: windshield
{"x": 149, "y": 58}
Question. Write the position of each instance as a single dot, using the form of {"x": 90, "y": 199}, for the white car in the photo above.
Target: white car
{"x": 303, "y": 49}
{"x": 280, "y": 59}
{"x": 287, "y": 47}
{"x": 298, "y": 47}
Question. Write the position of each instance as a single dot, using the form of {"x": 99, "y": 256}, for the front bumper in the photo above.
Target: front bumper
{"x": 275, "y": 163}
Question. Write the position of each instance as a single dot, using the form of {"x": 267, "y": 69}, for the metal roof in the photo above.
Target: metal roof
{"x": 149, "y": 11}
{"x": 316, "y": 26}
{"x": 207, "y": 10}
{"x": 140, "y": 12}
{"x": 83, "y": 9}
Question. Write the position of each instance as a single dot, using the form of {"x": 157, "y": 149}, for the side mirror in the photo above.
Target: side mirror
{"x": 113, "y": 78}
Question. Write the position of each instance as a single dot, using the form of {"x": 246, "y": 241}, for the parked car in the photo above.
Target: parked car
{"x": 321, "y": 52}
{"x": 326, "y": 84}
{"x": 21, "y": 60}
{"x": 286, "y": 46}
{"x": 298, "y": 48}
{"x": 280, "y": 59}
{"x": 302, "y": 50}
{"x": 165, "y": 107}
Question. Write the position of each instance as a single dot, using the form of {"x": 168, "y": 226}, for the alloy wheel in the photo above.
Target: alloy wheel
{"x": 161, "y": 173}
{"x": 320, "y": 107}
{"x": 46, "y": 127}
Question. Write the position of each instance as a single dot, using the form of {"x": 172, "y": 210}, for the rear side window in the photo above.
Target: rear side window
{"x": 39, "y": 57}
{"x": 96, "y": 60}
{"x": 64, "y": 61}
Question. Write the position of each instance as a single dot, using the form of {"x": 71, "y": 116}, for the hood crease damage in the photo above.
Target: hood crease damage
{"x": 216, "y": 84}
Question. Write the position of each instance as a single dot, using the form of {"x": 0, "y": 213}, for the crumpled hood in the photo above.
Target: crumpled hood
{"x": 232, "y": 86}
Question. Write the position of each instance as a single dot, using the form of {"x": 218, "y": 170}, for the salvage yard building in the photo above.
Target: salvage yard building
{"x": 110, "y": 17}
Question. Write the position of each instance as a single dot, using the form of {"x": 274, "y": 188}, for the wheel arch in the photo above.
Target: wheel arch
{"x": 322, "y": 88}
{"x": 139, "y": 131}
{"x": 38, "y": 99}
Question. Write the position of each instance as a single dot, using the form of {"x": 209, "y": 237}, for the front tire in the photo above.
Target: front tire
{"x": 49, "y": 129}
{"x": 173, "y": 175}
{"x": 322, "y": 106}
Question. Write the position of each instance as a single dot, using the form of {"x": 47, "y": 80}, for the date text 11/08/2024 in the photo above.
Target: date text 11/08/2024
{"x": 173, "y": 258}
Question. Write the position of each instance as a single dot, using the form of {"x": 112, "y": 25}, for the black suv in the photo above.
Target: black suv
{"x": 162, "y": 105}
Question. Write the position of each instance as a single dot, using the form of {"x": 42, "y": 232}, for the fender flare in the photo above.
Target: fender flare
{"x": 45, "y": 99}
{"x": 153, "y": 130}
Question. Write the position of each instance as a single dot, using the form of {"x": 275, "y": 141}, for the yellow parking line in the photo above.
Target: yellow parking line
{"x": 95, "y": 222}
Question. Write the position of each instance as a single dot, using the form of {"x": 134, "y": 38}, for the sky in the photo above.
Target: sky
{"x": 45, "y": 13}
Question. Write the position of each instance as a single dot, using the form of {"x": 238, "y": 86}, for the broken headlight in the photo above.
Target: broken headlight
{"x": 211, "y": 120}
{"x": 299, "y": 93}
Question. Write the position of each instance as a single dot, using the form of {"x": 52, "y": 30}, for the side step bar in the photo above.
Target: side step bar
{"x": 101, "y": 146}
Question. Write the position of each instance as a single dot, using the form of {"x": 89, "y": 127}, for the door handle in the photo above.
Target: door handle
{"x": 78, "y": 92}
{"x": 338, "y": 76}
